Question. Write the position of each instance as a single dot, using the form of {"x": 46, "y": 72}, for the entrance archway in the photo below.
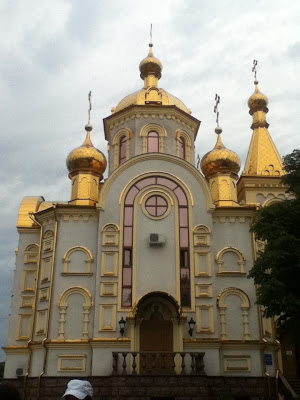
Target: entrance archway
{"x": 158, "y": 320}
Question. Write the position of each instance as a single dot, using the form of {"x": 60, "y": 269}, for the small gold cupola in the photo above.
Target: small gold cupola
{"x": 263, "y": 157}
{"x": 150, "y": 68}
{"x": 86, "y": 166}
{"x": 221, "y": 167}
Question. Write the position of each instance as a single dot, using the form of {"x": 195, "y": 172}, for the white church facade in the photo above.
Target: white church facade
{"x": 146, "y": 271}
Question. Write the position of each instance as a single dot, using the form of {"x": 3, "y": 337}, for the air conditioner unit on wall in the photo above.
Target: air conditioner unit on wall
{"x": 19, "y": 373}
{"x": 156, "y": 239}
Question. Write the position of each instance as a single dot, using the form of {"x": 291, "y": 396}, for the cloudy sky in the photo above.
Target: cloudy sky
{"x": 54, "y": 51}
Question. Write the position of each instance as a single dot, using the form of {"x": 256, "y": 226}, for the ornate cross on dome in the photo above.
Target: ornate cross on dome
{"x": 150, "y": 44}
{"x": 90, "y": 107}
{"x": 217, "y": 98}
{"x": 254, "y": 70}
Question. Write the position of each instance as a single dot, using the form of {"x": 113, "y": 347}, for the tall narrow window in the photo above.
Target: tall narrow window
{"x": 153, "y": 142}
{"x": 122, "y": 150}
{"x": 181, "y": 148}
{"x": 156, "y": 206}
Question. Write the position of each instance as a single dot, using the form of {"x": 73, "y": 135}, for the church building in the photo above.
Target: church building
{"x": 146, "y": 271}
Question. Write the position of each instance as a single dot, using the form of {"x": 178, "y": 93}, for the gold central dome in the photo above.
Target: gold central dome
{"x": 220, "y": 159}
{"x": 139, "y": 98}
{"x": 86, "y": 157}
{"x": 150, "y": 69}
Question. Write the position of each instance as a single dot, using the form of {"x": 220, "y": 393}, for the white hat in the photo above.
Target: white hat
{"x": 79, "y": 389}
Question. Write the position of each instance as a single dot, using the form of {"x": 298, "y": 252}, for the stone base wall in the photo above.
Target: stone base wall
{"x": 151, "y": 388}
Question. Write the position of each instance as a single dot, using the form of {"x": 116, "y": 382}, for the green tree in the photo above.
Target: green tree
{"x": 2, "y": 364}
{"x": 277, "y": 270}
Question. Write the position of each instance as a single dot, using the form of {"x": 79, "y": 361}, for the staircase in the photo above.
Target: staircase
{"x": 295, "y": 383}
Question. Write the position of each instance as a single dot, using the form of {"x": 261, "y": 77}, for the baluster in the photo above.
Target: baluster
{"x": 153, "y": 361}
{"x": 124, "y": 365}
{"x": 163, "y": 362}
{"x": 193, "y": 363}
{"x": 134, "y": 364}
{"x": 144, "y": 357}
{"x": 173, "y": 362}
{"x": 182, "y": 364}
{"x": 115, "y": 363}
{"x": 200, "y": 364}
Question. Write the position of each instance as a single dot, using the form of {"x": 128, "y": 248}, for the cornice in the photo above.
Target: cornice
{"x": 197, "y": 343}
{"x": 68, "y": 344}
{"x": 65, "y": 211}
{"x": 111, "y": 343}
{"x": 257, "y": 180}
{"x": 234, "y": 213}
{"x": 16, "y": 350}
{"x": 34, "y": 229}
{"x": 150, "y": 112}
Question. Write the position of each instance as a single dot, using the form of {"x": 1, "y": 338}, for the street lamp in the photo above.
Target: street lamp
{"x": 192, "y": 324}
{"x": 122, "y": 324}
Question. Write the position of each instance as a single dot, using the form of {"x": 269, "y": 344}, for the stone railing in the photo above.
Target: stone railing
{"x": 158, "y": 363}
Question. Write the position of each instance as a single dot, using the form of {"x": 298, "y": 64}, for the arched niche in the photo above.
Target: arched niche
{"x": 85, "y": 299}
{"x": 201, "y": 234}
{"x": 230, "y": 262}
{"x": 48, "y": 240}
{"x": 83, "y": 262}
{"x": 244, "y": 305}
{"x": 110, "y": 235}
{"x": 31, "y": 253}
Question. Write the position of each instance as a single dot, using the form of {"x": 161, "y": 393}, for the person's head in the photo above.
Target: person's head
{"x": 78, "y": 389}
{"x": 9, "y": 392}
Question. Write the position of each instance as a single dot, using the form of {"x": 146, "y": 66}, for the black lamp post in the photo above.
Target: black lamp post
{"x": 192, "y": 324}
{"x": 122, "y": 324}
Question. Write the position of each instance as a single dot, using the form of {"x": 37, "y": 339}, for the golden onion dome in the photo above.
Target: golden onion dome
{"x": 86, "y": 157}
{"x": 139, "y": 98}
{"x": 150, "y": 68}
{"x": 258, "y": 100}
{"x": 220, "y": 159}
{"x": 150, "y": 65}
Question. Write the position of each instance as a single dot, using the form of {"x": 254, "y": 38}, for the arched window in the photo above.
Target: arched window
{"x": 156, "y": 205}
{"x": 120, "y": 146}
{"x": 181, "y": 148}
{"x": 153, "y": 142}
{"x": 122, "y": 150}
{"x": 183, "y": 145}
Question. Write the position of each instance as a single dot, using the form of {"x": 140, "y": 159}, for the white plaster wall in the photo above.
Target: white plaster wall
{"x": 71, "y": 234}
{"x": 136, "y": 147}
{"x": 14, "y": 361}
{"x": 25, "y": 239}
{"x": 37, "y": 362}
{"x": 103, "y": 360}
{"x": 235, "y": 235}
{"x": 52, "y": 361}
{"x": 155, "y": 265}
{"x": 256, "y": 365}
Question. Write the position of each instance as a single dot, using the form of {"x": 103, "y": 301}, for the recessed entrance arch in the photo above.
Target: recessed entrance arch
{"x": 158, "y": 320}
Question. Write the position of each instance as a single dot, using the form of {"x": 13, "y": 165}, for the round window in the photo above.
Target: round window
{"x": 156, "y": 206}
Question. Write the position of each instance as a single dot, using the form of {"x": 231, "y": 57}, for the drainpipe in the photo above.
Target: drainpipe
{"x": 49, "y": 309}
{"x": 31, "y": 216}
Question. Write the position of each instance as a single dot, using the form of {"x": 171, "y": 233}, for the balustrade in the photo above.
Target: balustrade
{"x": 160, "y": 363}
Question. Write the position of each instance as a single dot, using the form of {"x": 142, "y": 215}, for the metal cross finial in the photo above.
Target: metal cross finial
{"x": 198, "y": 162}
{"x": 217, "y": 98}
{"x": 90, "y": 107}
{"x": 150, "y": 44}
{"x": 254, "y": 69}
